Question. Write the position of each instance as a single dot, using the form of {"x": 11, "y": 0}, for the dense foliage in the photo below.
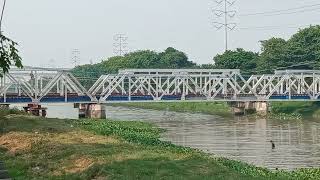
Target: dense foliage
{"x": 169, "y": 59}
{"x": 238, "y": 59}
{"x": 9, "y": 54}
{"x": 215, "y": 108}
{"x": 301, "y": 51}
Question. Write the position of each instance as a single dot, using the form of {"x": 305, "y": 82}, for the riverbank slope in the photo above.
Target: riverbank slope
{"x": 36, "y": 148}
{"x": 302, "y": 109}
{"x": 280, "y": 110}
{"x": 214, "y": 108}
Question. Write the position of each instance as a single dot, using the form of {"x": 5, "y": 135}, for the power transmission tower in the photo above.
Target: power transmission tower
{"x": 120, "y": 45}
{"x": 75, "y": 57}
{"x": 224, "y": 12}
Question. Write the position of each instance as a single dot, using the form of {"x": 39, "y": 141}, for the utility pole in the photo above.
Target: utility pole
{"x": 75, "y": 57}
{"x": 226, "y": 14}
{"x": 120, "y": 45}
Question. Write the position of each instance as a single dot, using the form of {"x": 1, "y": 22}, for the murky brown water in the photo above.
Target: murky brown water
{"x": 297, "y": 142}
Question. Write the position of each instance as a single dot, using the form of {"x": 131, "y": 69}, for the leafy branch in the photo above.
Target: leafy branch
{"x": 9, "y": 54}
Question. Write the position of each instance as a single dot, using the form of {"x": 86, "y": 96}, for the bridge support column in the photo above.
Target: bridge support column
{"x": 242, "y": 108}
{"x": 36, "y": 110}
{"x": 4, "y": 106}
{"x": 261, "y": 108}
{"x": 238, "y": 108}
{"x": 92, "y": 111}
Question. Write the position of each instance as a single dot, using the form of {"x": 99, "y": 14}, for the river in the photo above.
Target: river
{"x": 297, "y": 141}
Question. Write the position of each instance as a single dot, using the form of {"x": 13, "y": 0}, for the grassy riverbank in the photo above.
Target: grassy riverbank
{"x": 296, "y": 109}
{"x": 279, "y": 110}
{"x": 215, "y": 108}
{"x": 35, "y": 148}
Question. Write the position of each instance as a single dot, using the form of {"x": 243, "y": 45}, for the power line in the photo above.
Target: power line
{"x": 262, "y": 28}
{"x": 295, "y": 10}
{"x": 227, "y": 15}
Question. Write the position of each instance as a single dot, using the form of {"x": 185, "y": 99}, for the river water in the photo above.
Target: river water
{"x": 240, "y": 138}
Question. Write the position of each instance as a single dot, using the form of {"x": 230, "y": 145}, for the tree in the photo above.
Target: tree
{"x": 89, "y": 73}
{"x": 113, "y": 64}
{"x": 8, "y": 51}
{"x": 301, "y": 51}
{"x": 304, "y": 48}
{"x": 246, "y": 61}
{"x": 174, "y": 59}
{"x": 141, "y": 60}
{"x": 134, "y": 60}
{"x": 273, "y": 55}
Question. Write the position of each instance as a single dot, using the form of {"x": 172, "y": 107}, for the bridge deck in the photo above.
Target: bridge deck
{"x": 147, "y": 98}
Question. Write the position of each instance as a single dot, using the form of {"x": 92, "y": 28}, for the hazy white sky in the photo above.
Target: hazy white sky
{"x": 48, "y": 30}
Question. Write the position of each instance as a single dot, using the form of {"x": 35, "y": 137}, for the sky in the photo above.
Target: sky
{"x": 48, "y": 30}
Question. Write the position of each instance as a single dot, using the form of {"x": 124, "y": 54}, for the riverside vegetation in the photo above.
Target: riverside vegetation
{"x": 278, "y": 110}
{"x": 38, "y": 148}
{"x": 297, "y": 109}
{"x": 297, "y": 52}
{"x": 215, "y": 108}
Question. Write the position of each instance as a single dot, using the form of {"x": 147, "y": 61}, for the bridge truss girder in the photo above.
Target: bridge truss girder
{"x": 211, "y": 85}
{"x": 162, "y": 84}
{"x": 206, "y": 84}
{"x": 38, "y": 84}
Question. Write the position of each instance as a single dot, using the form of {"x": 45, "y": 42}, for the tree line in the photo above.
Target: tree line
{"x": 301, "y": 51}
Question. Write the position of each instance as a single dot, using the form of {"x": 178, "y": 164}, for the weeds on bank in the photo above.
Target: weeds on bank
{"x": 284, "y": 116}
{"x": 295, "y": 110}
{"x": 214, "y": 108}
{"x": 134, "y": 132}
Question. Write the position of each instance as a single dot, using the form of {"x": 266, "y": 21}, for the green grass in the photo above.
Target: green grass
{"x": 279, "y": 110}
{"x": 215, "y": 108}
{"x": 36, "y": 148}
{"x": 296, "y": 109}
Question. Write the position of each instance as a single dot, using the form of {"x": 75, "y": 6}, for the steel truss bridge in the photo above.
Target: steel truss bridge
{"x": 43, "y": 85}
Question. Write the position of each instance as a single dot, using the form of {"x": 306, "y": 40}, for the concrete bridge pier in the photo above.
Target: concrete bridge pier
{"x": 243, "y": 108}
{"x": 91, "y": 110}
{"x": 36, "y": 110}
{"x": 4, "y": 106}
{"x": 262, "y": 108}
